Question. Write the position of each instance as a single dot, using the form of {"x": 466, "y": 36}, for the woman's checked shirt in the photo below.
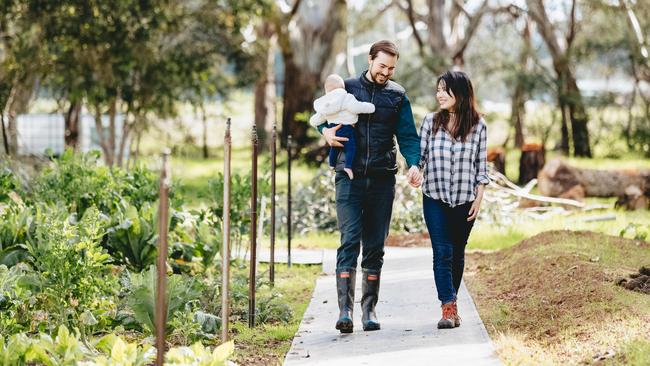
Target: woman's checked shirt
{"x": 453, "y": 169}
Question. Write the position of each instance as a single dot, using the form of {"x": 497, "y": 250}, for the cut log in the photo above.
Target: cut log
{"x": 531, "y": 162}
{"x": 557, "y": 178}
{"x": 634, "y": 199}
{"x": 497, "y": 156}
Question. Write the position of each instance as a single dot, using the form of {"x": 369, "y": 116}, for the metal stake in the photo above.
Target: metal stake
{"x": 161, "y": 303}
{"x": 289, "y": 201}
{"x": 225, "y": 248}
{"x": 253, "y": 246}
{"x": 273, "y": 153}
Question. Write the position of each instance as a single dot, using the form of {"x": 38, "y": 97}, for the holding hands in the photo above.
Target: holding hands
{"x": 414, "y": 176}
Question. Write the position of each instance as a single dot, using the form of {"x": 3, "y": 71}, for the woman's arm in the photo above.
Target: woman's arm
{"x": 481, "y": 158}
{"x": 482, "y": 177}
{"x": 425, "y": 136}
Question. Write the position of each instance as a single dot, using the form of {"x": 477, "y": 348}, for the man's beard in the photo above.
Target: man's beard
{"x": 374, "y": 77}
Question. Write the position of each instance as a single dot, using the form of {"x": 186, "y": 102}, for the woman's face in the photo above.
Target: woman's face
{"x": 445, "y": 100}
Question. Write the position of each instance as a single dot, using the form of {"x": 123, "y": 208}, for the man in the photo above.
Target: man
{"x": 364, "y": 204}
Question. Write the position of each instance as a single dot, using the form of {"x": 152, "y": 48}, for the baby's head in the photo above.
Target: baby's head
{"x": 333, "y": 82}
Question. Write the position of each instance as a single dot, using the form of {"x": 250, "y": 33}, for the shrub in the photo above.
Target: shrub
{"x": 74, "y": 276}
{"x": 132, "y": 237}
{"x": 15, "y": 225}
{"x": 141, "y": 299}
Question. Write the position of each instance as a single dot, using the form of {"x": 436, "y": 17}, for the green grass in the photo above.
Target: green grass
{"x": 311, "y": 240}
{"x": 267, "y": 344}
{"x": 491, "y": 237}
{"x": 636, "y": 352}
{"x": 194, "y": 173}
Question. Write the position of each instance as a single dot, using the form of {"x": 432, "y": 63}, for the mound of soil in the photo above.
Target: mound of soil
{"x": 408, "y": 240}
{"x": 548, "y": 285}
{"x": 639, "y": 281}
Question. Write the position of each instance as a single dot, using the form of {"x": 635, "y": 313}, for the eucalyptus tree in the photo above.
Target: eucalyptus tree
{"x": 561, "y": 50}
{"x": 140, "y": 58}
{"x": 21, "y": 67}
{"x": 443, "y": 29}
{"x": 309, "y": 34}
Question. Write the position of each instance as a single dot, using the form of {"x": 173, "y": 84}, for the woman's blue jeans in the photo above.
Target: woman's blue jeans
{"x": 449, "y": 229}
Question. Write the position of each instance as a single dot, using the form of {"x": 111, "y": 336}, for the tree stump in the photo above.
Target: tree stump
{"x": 497, "y": 156}
{"x": 531, "y": 162}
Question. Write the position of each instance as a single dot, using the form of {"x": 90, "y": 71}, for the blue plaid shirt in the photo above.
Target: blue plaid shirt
{"x": 452, "y": 169}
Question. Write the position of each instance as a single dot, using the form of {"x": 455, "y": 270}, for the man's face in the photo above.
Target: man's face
{"x": 382, "y": 67}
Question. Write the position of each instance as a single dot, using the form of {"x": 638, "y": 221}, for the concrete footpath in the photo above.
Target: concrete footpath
{"x": 408, "y": 310}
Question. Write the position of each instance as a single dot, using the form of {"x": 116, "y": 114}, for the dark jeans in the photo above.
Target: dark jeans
{"x": 449, "y": 229}
{"x": 363, "y": 209}
{"x": 350, "y": 146}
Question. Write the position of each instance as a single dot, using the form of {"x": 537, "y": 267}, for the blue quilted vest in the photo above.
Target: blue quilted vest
{"x": 375, "y": 133}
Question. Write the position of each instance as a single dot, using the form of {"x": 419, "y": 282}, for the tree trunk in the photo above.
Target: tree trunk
{"x": 579, "y": 118}
{"x": 204, "y": 119}
{"x": 314, "y": 35}
{"x": 519, "y": 96}
{"x": 18, "y": 102}
{"x": 299, "y": 95}
{"x": 126, "y": 132}
{"x": 517, "y": 114}
{"x": 5, "y": 142}
{"x": 265, "y": 85}
{"x": 531, "y": 162}
{"x": 497, "y": 156}
{"x": 112, "y": 112}
{"x": 72, "y": 119}
{"x": 564, "y": 129}
{"x": 101, "y": 134}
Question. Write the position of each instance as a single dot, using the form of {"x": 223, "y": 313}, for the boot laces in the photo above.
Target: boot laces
{"x": 448, "y": 311}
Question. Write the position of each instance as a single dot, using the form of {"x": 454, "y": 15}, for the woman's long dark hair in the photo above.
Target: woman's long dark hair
{"x": 467, "y": 115}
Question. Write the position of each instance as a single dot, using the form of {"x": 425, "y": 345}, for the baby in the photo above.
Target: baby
{"x": 338, "y": 107}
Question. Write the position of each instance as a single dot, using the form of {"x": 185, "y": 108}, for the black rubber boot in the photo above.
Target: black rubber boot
{"x": 345, "y": 280}
{"x": 370, "y": 289}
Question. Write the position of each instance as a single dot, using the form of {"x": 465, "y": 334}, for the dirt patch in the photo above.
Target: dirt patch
{"x": 260, "y": 354}
{"x": 639, "y": 281}
{"x": 408, "y": 240}
{"x": 557, "y": 289}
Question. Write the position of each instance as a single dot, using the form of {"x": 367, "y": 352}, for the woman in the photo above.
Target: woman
{"x": 454, "y": 158}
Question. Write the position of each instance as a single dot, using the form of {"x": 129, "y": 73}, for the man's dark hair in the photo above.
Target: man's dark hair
{"x": 383, "y": 46}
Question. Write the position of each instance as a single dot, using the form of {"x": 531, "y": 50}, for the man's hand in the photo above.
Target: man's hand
{"x": 331, "y": 138}
{"x": 414, "y": 177}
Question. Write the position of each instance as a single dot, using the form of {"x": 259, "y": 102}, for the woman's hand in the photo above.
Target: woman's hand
{"x": 414, "y": 177}
{"x": 476, "y": 205}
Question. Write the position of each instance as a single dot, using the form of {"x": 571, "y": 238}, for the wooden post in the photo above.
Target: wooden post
{"x": 253, "y": 245}
{"x": 273, "y": 153}
{"x": 225, "y": 247}
{"x": 289, "y": 201}
{"x": 161, "y": 303}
